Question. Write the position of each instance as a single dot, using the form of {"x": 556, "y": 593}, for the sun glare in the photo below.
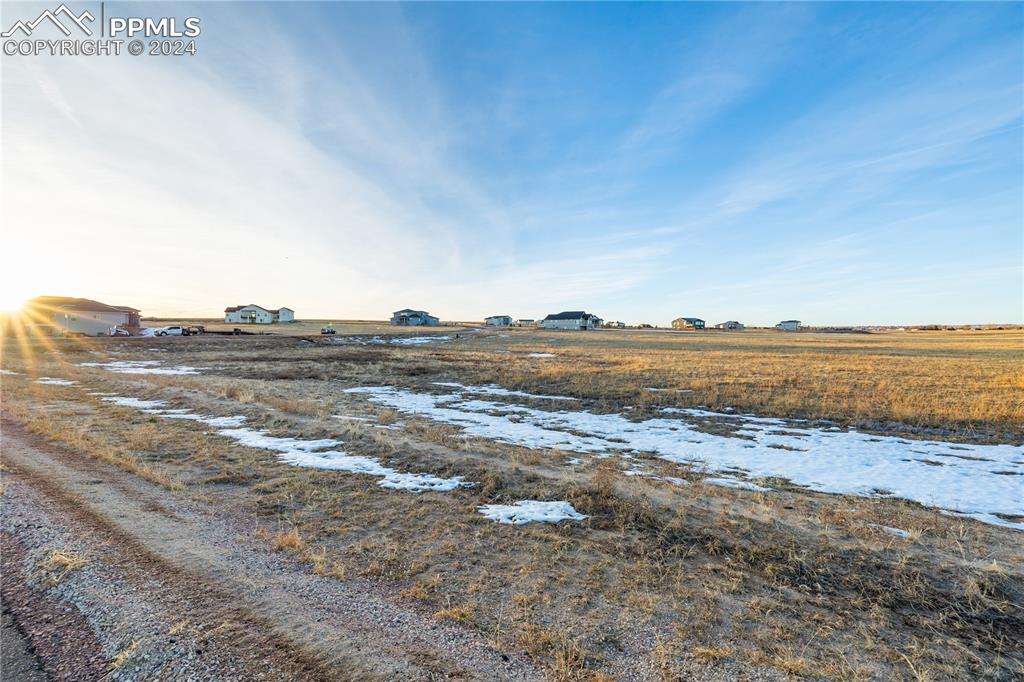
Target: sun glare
{"x": 15, "y": 288}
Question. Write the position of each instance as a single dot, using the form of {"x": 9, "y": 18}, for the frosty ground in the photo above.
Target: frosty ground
{"x": 592, "y": 505}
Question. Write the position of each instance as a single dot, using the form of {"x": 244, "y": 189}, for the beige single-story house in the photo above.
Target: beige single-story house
{"x": 254, "y": 314}
{"x": 66, "y": 315}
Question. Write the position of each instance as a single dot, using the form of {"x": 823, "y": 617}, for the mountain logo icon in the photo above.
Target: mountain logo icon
{"x": 27, "y": 27}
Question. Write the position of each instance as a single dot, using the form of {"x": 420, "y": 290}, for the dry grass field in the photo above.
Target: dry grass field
{"x": 669, "y": 576}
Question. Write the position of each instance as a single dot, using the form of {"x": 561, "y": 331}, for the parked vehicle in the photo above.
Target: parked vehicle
{"x": 327, "y": 330}
{"x": 118, "y": 331}
{"x": 175, "y": 330}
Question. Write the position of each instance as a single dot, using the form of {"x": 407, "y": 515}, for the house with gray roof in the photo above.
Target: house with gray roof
{"x": 571, "y": 319}
{"x": 407, "y": 317}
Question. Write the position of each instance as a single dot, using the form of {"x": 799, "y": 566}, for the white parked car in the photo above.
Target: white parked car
{"x": 174, "y": 330}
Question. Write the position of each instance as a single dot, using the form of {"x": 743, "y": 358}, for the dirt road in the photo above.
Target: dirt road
{"x": 168, "y": 586}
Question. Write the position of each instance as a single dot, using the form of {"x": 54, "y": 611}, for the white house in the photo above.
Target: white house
{"x": 731, "y": 325}
{"x": 789, "y": 325}
{"x": 571, "y": 319}
{"x": 254, "y": 314}
{"x": 64, "y": 315}
{"x": 499, "y": 320}
{"x": 284, "y": 315}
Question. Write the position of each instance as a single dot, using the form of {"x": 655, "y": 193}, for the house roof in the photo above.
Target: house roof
{"x": 236, "y": 308}
{"x": 691, "y": 320}
{"x": 785, "y": 321}
{"x": 410, "y": 311}
{"x": 490, "y": 316}
{"x": 569, "y": 315}
{"x": 68, "y": 303}
{"x": 127, "y": 309}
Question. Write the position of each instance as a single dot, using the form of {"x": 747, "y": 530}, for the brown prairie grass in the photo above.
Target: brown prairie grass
{"x": 800, "y": 583}
{"x": 58, "y": 564}
{"x": 123, "y": 657}
{"x": 288, "y": 540}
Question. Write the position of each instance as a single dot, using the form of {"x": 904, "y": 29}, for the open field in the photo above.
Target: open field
{"x": 750, "y": 505}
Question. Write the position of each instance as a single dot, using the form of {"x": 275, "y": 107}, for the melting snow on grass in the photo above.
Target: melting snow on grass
{"x": 985, "y": 482}
{"x": 312, "y": 453}
{"x": 137, "y": 403}
{"x": 418, "y": 340}
{"x": 737, "y": 484}
{"x": 895, "y": 532}
{"x": 542, "y": 355}
{"x": 531, "y": 511}
{"x": 53, "y": 381}
{"x": 491, "y": 389}
{"x": 142, "y": 367}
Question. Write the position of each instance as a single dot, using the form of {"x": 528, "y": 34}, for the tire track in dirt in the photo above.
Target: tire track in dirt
{"x": 286, "y": 622}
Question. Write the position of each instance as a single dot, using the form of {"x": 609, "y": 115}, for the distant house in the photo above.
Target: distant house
{"x": 526, "y": 322}
{"x": 254, "y": 314}
{"x": 248, "y": 314}
{"x": 499, "y": 320}
{"x": 615, "y": 325}
{"x": 65, "y": 315}
{"x": 789, "y": 325}
{"x": 731, "y": 325}
{"x": 687, "y": 323}
{"x": 571, "y": 319}
{"x": 414, "y": 318}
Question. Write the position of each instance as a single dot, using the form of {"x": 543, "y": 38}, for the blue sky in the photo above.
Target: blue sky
{"x": 836, "y": 163}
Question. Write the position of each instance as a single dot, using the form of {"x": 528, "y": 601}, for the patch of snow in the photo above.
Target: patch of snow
{"x": 830, "y": 461}
{"x": 542, "y": 355}
{"x": 494, "y": 389}
{"x": 138, "y": 403}
{"x": 142, "y": 367}
{"x": 350, "y": 418}
{"x": 259, "y": 439}
{"x": 7, "y": 371}
{"x": 416, "y": 483}
{"x": 531, "y": 511}
{"x": 896, "y": 532}
{"x": 310, "y": 453}
{"x": 53, "y": 381}
{"x": 122, "y": 401}
{"x": 736, "y": 483}
{"x": 418, "y": 340}
{"x": 223, "y": 422}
